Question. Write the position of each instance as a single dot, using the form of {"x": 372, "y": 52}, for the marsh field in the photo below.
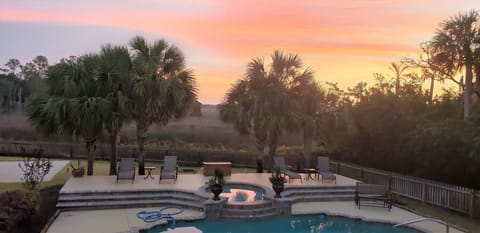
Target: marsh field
{"x": 204, "y": 132}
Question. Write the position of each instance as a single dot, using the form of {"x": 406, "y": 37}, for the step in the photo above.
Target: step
{"x": 317, "y": 191}
{"x": 77, "y": 204}
{"x": 255, "y": 205}
{"x": 123, "y": 196}
{"x": 249, "y": 212}
{"x": 337, "y": 197}
{"x": 245, "y": 217}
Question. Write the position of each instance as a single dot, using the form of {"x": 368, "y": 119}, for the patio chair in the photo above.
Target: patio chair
{"x": 169, "y": 168}
{"x": 126, "y": 169}
{"x": 280, "y": 162}
{"x": 323, "y": 169}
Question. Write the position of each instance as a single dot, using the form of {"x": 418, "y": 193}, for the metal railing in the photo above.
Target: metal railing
{"x": 423, "y": 219}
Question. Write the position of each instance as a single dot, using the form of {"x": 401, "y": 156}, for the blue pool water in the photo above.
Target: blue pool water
{"x": 304, "y": 223}
{"x": 241, "y": 193}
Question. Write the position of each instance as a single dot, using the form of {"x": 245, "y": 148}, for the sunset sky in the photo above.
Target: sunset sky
{"x": 344, "y": 41}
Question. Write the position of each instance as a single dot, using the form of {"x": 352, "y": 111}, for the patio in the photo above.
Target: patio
{"x": 185, "y": 182}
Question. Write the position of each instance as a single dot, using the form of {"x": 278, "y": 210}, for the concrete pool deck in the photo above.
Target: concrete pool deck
{"x": 122, "y": 220}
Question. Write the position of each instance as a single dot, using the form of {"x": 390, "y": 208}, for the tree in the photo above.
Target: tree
{"x": 72, "y": 103}
{"x": 163, "y": 88}
{"x": 262, "y": 103}
{"x": 115, "y": 85}
{"x": 398, "y": 70}
{"x": 310, "y": 102}
{"x": 456, "y": 40}
{"x": 244, "y": 107}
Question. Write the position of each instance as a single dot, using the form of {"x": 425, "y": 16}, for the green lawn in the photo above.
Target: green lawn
{"x": 462, "y": 221}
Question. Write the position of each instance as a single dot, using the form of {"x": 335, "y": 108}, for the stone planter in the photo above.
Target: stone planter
{"x": 216, "y": 190}
{"x": 78, "y": 172}
{"x": 278, "y": 188}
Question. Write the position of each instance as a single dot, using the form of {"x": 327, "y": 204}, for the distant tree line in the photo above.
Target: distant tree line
{"x": 18, "y": 82}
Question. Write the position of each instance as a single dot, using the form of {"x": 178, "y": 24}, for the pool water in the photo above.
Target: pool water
{"x": 237, "y": 193}
{"x": 305, "y": 223}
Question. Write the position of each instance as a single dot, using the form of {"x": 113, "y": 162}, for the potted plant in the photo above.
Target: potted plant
{"x": 78, "y": 171}
{"x": 216, "y": 184}
{"x": 277, "y": 181}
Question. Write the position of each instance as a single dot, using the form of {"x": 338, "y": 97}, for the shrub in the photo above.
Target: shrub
{"x": 15, "y": 207}
{"x": 34, "y": 170}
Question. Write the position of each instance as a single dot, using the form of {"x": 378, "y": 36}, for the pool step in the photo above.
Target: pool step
{"x": 260, "y": 209}
{"x": 119, "y": 199}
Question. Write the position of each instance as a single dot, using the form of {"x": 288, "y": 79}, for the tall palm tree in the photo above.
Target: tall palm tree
{"x": 163, "y": 88}
{"x": 284, "y": 69}
{"x": 457, "y": 39}
{"x": 262, "y": 103}
{"x": 72, "y": 104}
{"x": 310, "y": 101}
{"x": 115, "y": 84}
{"x": 244, "y": 107}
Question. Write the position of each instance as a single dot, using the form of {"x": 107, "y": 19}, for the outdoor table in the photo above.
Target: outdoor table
{"x": 310, "y": 171}
{"x": 209, "y": 168}
{"x": 149, "y": 172}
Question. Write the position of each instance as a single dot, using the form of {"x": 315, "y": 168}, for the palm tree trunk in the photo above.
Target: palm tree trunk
{"x": 90, "y": 144}
{"x": 307, "y": 146}
{"x": 432, "y": 86}
{"x": 141, "y": 135}
{"x": 467, "y": 93}
{"x": 113, "y": 152}
{"x": 260, "y": 150}
{"x": 397, "y": 85}
{"x": 272, "y": 148}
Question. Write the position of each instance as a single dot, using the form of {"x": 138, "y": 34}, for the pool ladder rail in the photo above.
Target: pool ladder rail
{"x": 424, "y": 219}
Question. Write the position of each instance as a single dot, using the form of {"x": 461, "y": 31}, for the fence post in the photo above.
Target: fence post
{"x": 390, "y": 183}
{"x": 424, "y": 190}
{"x": 472, "y": 202}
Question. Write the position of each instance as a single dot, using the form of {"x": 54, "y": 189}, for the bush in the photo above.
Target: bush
{"x": 16, "y": 207}
{"x": 34, "y": 170}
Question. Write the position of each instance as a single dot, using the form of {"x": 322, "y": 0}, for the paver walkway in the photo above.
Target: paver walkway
{"x": 10, "y": 172}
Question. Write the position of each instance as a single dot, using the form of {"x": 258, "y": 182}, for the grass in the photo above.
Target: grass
{"x": 464, "y": 222}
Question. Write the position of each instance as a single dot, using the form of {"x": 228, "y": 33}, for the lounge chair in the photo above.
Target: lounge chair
{"x": 169, "y": 168}
{"x": 280, "y": 162}
{"x": 323, "y": 169}
{"x": 126, "y": 169}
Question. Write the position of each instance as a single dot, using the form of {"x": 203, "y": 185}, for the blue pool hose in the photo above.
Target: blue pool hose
{"x": 153, "y": 216}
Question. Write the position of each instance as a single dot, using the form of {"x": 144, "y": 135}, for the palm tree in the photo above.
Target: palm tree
{"x": 163, "y": 88}
{"x": 310, "y": 101}
{"x": 244, "y": 107}
{"x": 397, "y": 70}
{"x": 457, "y": 39}
{"x": 262, "y": 103}
{"x": 115, "y": 85}
{"x": 72, "y": 103}
{"x": 285, "y": 68}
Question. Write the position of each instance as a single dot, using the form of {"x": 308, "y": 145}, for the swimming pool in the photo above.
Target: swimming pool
{"x": 305, "y": 223}
{"x": 238, "y": 193}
